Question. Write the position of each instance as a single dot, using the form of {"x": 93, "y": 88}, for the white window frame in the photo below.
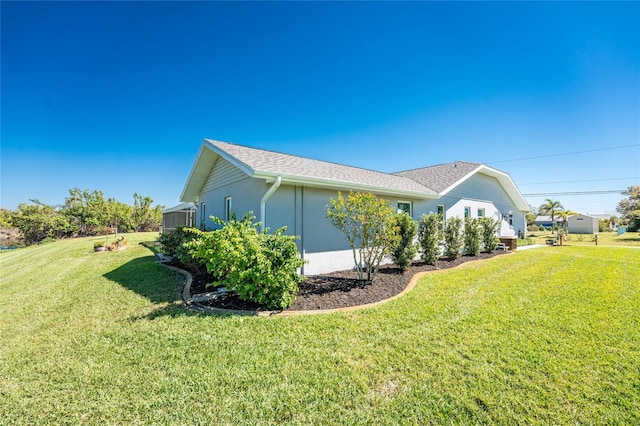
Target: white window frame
{"x": 203, "y": 213}
{"x": 228, "y": 208}
{"x": 481, "y": 212}
{"x": 467, "y": 212}
{"x": 409, "y": 203}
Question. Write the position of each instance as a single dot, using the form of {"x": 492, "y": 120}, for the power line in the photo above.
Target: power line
{"x": 575, "y": 181}
{"x": 565, "y": 153}
{"x": 555, "y": 194}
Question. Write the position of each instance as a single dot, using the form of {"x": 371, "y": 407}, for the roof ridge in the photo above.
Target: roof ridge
{"x": 307, "y": 158}
{"x": 439, "y": 165}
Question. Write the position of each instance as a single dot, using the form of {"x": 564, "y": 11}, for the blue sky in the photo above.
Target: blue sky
{"x": 117, "y": 96}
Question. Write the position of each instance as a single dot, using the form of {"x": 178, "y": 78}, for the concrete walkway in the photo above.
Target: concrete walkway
{"x": 532, "y": 246}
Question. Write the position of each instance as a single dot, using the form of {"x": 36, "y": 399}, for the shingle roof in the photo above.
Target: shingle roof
{"x": 427, "y": 182}
{"x": 442, "y": 176}
{"x": 270, "y": 162}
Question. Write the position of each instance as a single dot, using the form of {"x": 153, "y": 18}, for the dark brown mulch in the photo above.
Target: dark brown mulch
{"x": 338, "y": 289}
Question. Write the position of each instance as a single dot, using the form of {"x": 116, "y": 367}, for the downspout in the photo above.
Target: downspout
{"x": 265, "y": 198}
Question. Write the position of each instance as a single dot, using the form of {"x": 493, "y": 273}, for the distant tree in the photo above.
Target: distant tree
{"x": 551, "y": 208}
{"x": 119, "y": 215}
{"x": 37, "y": 221}
{"x": 86, "y": 211}
{"x": 629, "y": 208}
{"x": 405, "y": 248}
{"x": 531, "y": 218}
{"x": 5, "y": 218}
{"x": 144, "y": 217}
{"x": 368, "y": 225}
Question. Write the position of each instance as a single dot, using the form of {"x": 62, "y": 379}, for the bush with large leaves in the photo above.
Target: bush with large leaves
{"x": 260, "y": 267}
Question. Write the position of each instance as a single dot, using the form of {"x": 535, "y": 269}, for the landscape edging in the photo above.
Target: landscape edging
{"x": 191, "y": 304}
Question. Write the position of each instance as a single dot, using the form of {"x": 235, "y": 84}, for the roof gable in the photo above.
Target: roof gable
{"x": 441, "y": 177}
{"x": 427, "y": 182}
{"x": 293, "y": 169}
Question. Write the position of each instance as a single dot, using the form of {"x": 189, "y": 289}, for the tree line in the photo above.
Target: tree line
{"x": 84, "y": 213}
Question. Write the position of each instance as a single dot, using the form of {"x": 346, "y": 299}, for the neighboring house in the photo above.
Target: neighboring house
{"x": 291, "y": 191}
{"x": 546, "y": 221}
{"x": 180, "y": 215}
{"x": 583, "y": 224}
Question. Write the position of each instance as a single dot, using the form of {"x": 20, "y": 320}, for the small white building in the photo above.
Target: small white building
{"x": 583, "y": 224}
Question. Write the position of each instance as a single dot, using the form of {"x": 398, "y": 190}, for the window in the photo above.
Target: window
{"x": 228, "y": 204}
{"x": 480, "y": 212}
{"x": 203, "y": 215}
{"x": 467, "y": 212}
{"x": 441, "y": 210}
{"x": 404, "y": 206}
{"x": 511, "y": 218}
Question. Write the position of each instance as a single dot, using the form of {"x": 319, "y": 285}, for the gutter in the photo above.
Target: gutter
{"x": 265, "y": 198}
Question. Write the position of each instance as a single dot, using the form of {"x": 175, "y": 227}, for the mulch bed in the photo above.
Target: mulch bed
{"x": 338, "y": 289}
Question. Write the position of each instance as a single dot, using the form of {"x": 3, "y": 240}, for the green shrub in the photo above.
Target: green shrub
{"x": 405, "y": 249}
{"x": 453, "y": 238}
{"x": 170, "y": 242}
{"x": 489, "y": 227}
{"x": 471, "y": 236}
{"x": 260, "y": 267}
{"x": 430, "y": 236}
{"x": 541, "y": 228}
{"x": 368, "y": 225}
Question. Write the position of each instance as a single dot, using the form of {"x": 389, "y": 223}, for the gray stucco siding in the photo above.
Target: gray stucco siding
{"x": 318, "y": 232}
{"x": 280, "y": 210}
{"x": 245, "y": 194}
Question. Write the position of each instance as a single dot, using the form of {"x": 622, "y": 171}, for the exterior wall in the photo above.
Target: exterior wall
{"x": 246, "y": 194}
{"x": 478, "y": 192}
{"x": 303, "y": 211}
{"x": 582, "y": 224}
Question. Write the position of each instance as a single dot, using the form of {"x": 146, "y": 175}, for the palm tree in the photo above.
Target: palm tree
{"x": 550, "y": 208}
{"x": 564, "y": 215}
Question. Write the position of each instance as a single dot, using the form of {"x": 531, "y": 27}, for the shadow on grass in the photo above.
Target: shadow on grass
{"x": 628, "y": 239}
{"x": 173, "y": 310}
{"x": 148, "y": 279}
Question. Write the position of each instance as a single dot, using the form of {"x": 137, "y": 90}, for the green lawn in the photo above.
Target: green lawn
{"x": 544, "y": 336}
{"x": 628, "y": 239}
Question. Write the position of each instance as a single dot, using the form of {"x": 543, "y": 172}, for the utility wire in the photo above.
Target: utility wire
{"x": 555, "y": 194}
{"x": 575, "y": 181}
{"x": 565, "y": 153}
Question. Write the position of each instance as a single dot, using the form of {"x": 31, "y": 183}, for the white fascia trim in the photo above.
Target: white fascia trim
{"x": 230, "y": 158}
{"x": 179, "y": 207}
{"x": 193, "y": 169}
{"x": 342, "y": 186}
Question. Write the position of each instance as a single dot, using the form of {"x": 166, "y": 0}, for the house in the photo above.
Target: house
{"x": 583, "y": 224}
{"x": 292, "y": 191}
{"x": 546, "y": 221}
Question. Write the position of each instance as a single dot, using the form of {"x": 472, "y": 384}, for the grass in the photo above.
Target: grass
{"x": 628, "y": 239}
{"x": 545, "y": 336}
